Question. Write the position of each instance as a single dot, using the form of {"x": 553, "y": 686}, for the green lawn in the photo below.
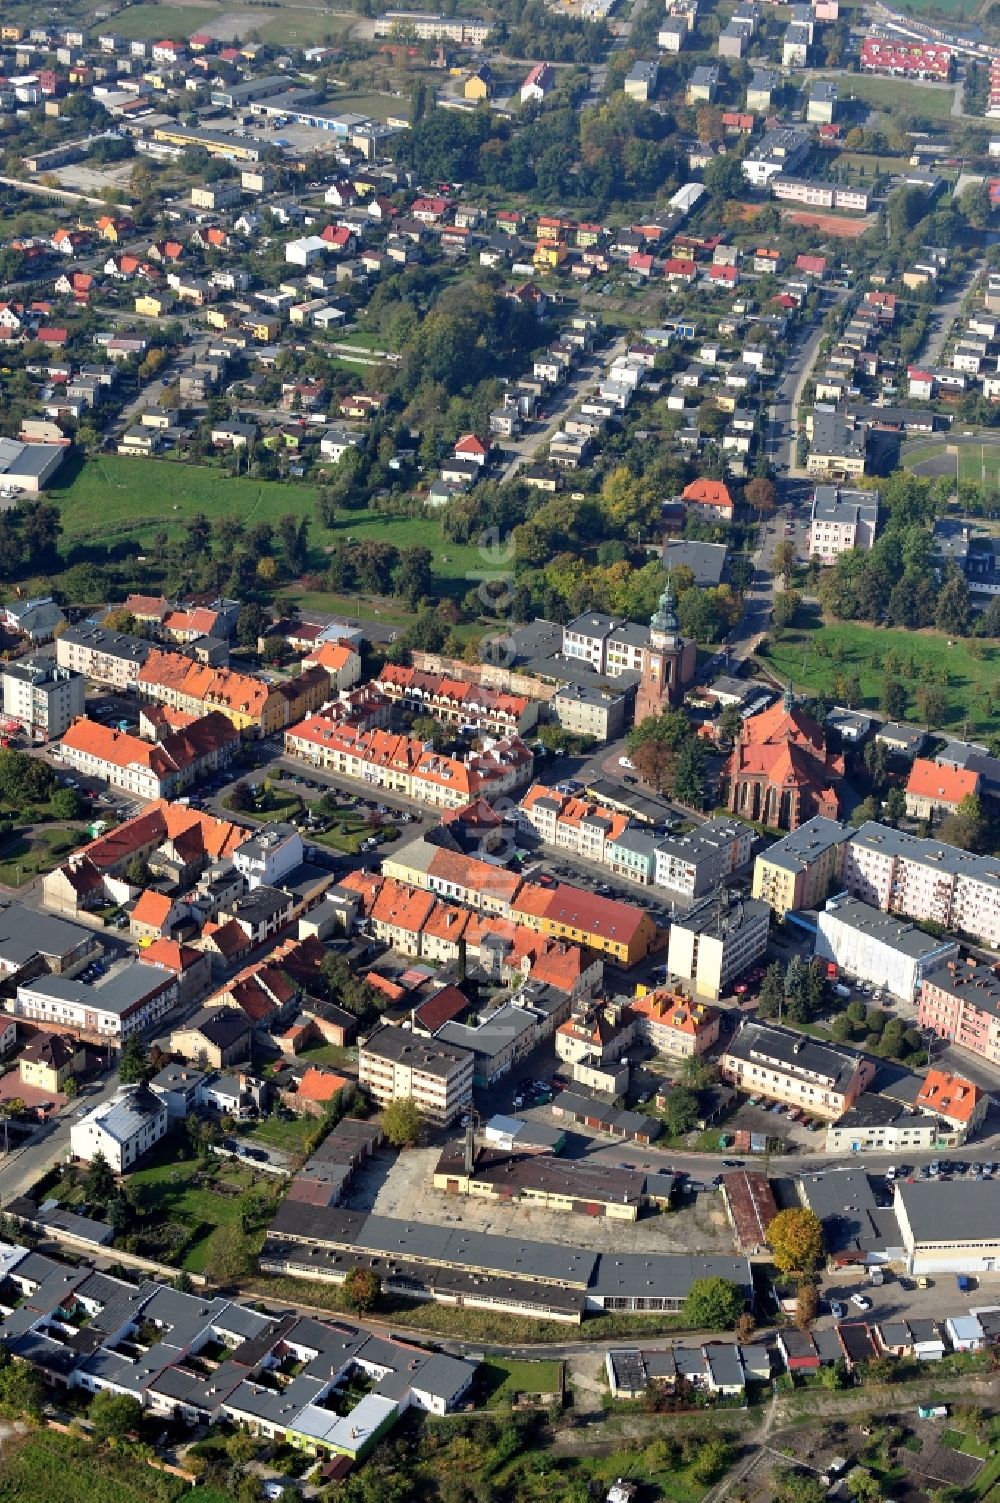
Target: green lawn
{"x": 114, "y": 497}
{"x": 501, "y": 1380}
{"x": 196, "y": 1194}
{"x": 177, "y": 22}
{"x": 863, "y": 649}
{"x": 378, "y": 106}
{"x": 892, "y": 93}
{"x": 44, "y": 1467}
{"x": 26, "y": 856}
{"x": 334, "y": 1055}
{"x": 300, "y": 28}
{"x": 276, "y": 1132}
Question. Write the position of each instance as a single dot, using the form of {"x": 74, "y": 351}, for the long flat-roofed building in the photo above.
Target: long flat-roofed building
{"x": 394, "y": 1064}
{"x": 878, "y": 947}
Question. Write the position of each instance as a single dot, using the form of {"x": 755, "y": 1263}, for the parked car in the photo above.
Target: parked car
{"x": 862, "y": 1301}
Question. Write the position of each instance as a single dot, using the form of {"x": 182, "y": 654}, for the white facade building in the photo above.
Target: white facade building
{"x": 122, "y": 1129}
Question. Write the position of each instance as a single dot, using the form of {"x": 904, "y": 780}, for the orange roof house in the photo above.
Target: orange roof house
{"x": 957, "y": 1100}
{"x": 932, "y": 789}
{"x": 712, "y": 496}
{"x": 780, "y": 772}
{"x": 319, "y": 1086}
{"x": 675, "y": 1025}
{"x": 151, "y": 913}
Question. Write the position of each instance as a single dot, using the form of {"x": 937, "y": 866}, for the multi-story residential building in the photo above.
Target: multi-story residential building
{"x": 608, "y": 645}
{"x": 48, "y": 1060}
{"x": 150, "y": 769}
{"x": 780, "y": 150}
{"x": 126, "y": 1002}
{"x": 799, "y": 870}
{"x": 255, "y": 708}
{"x": 960, "y": 1002}
{"x": 877, "y": 947}
{"x": 676, "y": 1025}
{"x": 694, "y": 864}
{"x": 42, "y": 697}
{"x": 407, "y": 766}
{"x": 906, "y": 59}
{"x": 819, "y": 1079}
{"x": 457, "y": 701}
{"x": 596, "y": 710}
{"x": 719, "y": 939}
{"x": 618, "y": 930}
{"x": 269, "y": 855}
{"x": 572, "y": 824}
{"x": 221, "y": 1034}
{"x": 122, "y": 1129}
{"x": 838, "y": 446}
{"x": 394, "y": 1064}
{"x": 935, "y": 789}
{"x": 107, "y": 657}
{"x": 840, "y": 521}
{"x": 925, "y": 880}
{"x": 482, "y": 885}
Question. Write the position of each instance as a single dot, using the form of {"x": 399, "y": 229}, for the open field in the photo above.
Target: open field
{"x": 862, "y": 650}
{"x": 112, "y": 498}
{"x": 44, "y": 1467}
{"x": 153, "y": 21}
{"x": 378, "y": 106}
{"x": 189, "y": 1192}
{"x": 276, "y": 1132}
{"x": 29, "y": 854}
{"x": 891, "y": 93}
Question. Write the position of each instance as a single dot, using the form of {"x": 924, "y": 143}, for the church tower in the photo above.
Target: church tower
{"x": 668, "y": 663}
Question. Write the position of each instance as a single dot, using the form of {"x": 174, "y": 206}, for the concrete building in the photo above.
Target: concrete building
{"x": 126, "y": 1002}
{"x": 107, "y": 657}
{"x": 694, "y": 864}
{"x": 960, "y": 1002}
{"x": 840, "y": 521}
{"x": 822, "y": 106}
{"x": 952, "y": 1227}
{"x": 716, "y": 942}
{"x": 819, "y": 1079}
{"x": 640, "y": 80}
{"x": 218, "y": 1036}
{"x": 394, "y": 1064}
{"x": 269, "y": 855}
{"x": 799, "y": 870}
{"x": 924, "y": 879}
{"x": 44, "y": 698}
{"x": 122, "y": 1129}
{"x": 877, "y": 947}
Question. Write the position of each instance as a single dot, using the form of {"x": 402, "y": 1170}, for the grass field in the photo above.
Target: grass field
{"x": 26, "y": 856}
{"x": 501, "y": 1380}
{"x": 863, "y": 649}
{"x": 378, "y": 106}
{"x": 897, "y": 93}
{"x": 334, "y": 1055}
{"x": 142, "y": 22}
{"x": 182, "y": 1190}
{"x": 44, "y": 1467}
{"x": 276, "y": 1132}
{"x": 111, "y": 498}
{"x": 300, "y": 28}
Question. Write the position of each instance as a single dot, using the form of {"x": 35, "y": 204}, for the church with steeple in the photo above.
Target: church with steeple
{"x": 667, "y": 663}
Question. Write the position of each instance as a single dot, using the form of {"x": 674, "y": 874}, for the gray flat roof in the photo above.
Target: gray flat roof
{"x": 952, "y": 1211}
{"x": 795, "y": 851}
{"x": 898, "y": 933}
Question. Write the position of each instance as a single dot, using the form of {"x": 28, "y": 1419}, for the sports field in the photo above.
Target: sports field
{"x": 972, "y": 461}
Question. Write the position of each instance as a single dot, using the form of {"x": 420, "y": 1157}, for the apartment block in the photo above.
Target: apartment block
{"x": 42, "y": 697}
{"x": 694, "y": 864}
{"x": 840, "y": 521}
{"x": 713, "y": 944}
{"x": 393, "y": 1064}
{"x": 924, "y": 879}
{"x": 107, "y": 657}
{"x": 571, "y": 824}
{"x": 799, "y": 871}
{"x": 960, "y": 1002}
